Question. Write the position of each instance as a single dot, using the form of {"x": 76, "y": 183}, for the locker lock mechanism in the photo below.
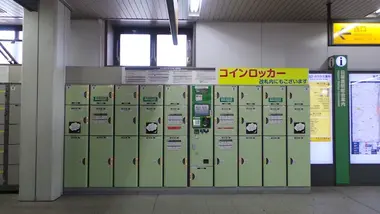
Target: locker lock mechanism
{"x": 291, "y": 161}
{"x": 110, "y": 161}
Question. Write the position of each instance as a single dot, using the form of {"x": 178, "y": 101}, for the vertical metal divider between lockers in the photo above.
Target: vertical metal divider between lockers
{"x": 138, "y": 135}
{"x": 237, "y": 124}
{"x": 6, "y": 135}
{"x": 262, "y": 136}
{"x": 163, "y": 141}
{"x": 89, "y": 134}
{"x": 64, "y": 137}
{"x": 286, "y": 135}
{"x": 113, "y": 134}
{"x": 189, "y": 122}
{"x": 213, "y": 132}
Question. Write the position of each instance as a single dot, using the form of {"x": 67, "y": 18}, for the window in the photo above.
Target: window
{"x": 152, "y": 47}
{"x": 10, "y": 44}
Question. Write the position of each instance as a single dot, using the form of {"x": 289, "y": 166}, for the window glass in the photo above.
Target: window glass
{"x": 169, "y": 54}
{"x": 20, "y": 35}
{"x": 15, "y": 49}
{"x": 7, "y": 34}
{"x": 135, "y": 50}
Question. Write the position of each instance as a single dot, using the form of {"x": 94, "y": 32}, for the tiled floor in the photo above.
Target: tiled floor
{"x": 339, "y": 200}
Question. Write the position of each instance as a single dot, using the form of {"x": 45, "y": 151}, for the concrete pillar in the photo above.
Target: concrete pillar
{"x": 42, "y": 130}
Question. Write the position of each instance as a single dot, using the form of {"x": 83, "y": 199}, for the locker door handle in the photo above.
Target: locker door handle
{"x": 184, "y": 120}
{"x": 184, "y": 94}
{"x": 110, "y": 161}
{"x": 159, "y": 120}
{"x": 159, "y": 95}
{"x": 241, "y": 95}
{"x": 266, "y": 95}
{"x": 217, "y": 120}
{"x": 85, "y": 120}
{"x": 266, "y": 120}
{"x": 266, "y": 161}
{"x": 184, "y": 161}
{"x": 290, "y": 95}
{"x": 84, "y": 161}
{"x": 217, "y": 161}
{"x": 134, "y": 94}
{"x": 241, "y": 161}
{"x": 291, "y": 120}
{"x": 110, "y": 94}
{"x": 109, "y": 120}
{"x": 134, "y": 120}
{"x": 85, "y": 94}
{"x": 291, "y": 161}
{"x": 242, "y": 120}
{"x": 192, "y": 176}
{"x": 217, "y": 95}
{"x": 159, "y": 161}
{"x": 134, "y": 161}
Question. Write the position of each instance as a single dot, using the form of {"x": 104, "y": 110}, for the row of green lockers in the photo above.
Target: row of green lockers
{"x": 116, "y": 136}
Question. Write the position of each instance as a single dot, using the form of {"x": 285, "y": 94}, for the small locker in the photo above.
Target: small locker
{"x": 176, "y": 120}
{"x": 250, "y": 120}
{"x": 274, "y": 95}
{"x": 298, "y": 120}
{"x": 101, "y": 120}
{"x": 77, "y": 94}
{"x": 151, "y": 118}
{"x": 151, "y": 95}
{"x": 274, "y": 120}
{"x": 76, "y": 122}
{"x": 225, "y": 120}
{"x": 298, "y": 95}
{"x": 126, "y": 95}
{"x": 225, "y": 95}
{"x": 126, "y": 120}
{"x": 176, "y": 95}
{"x": 250, "y": 95}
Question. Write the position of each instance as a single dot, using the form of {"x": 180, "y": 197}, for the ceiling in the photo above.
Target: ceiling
{"x": 212, "y": 10}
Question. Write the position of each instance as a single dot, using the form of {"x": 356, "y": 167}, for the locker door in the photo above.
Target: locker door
{"x": 225, "y": 95}
{"x": 250, "y": 120}
{"x": 126, "y": 119}
{"x": 15, "y": 94}
{"x": 176, "y": 120}
{"x": 176, "y": 95}
{"x": 151, "y": 95}
{"x": 76, "y": 122}
{"x": 2, "y": 93}
{"x": 298, "y": 120}
{"x": 151, "y": 120}
{"x": 77, "y": 94}
{"x": 150, "y": 161}
{"x": 102, "y": 95}
{"x": 226, "y": 161}
{"x": 175, "y": 161}
{"x": 250, "y": 95}
{"x": 298, "y": 95}
{"x": 101, "y": 120}
{"x": 274, "y": 95}
{"x": 250, "y": 161}
{"x": 14, "y": 134}
{"x": 201, "y": 176}
{"x": 225, "y": 120}
{"x": 76, "y": 160}
{"x": 126, "y": 161}
{"x": 14, "y": 114}
{"x": 101, "y": 161}
{"x": 126, "y": 95}
{"x": 274, "y": 161}
{"x": 299, "y": 161}
{"x": 274, "y": 120}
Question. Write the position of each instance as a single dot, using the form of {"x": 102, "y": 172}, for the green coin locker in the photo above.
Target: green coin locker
{"x": 76, "y": 160}
{"x": 274, "y": 120}
{"x": 226, "y": 161}
{"x": 151, "y": 95}
{"x": 298, "y": 120}
{"x": 298, "y": 95}
{"x": 175, "y": 161}
{"x": 176, "y": 95}
{"x": 250, "y": 161}
{"x": 225, "y": 95}
{"x": 250, "y": 95}
{"x": 126, "y": 120}
{"x": 126, "y": 95}
{"x": 226, "y": 120}
{"x": 101, "y": 120}
{"x": 151, "y": 118}
{"x": 274, "y": 95}
{"x": 126, "y": 161}
{"x": 76, "y": 122}
{"x": 175, "y": 120}
{"x": 274, "y": 161}
{"x": 102, "y": 95}
{"x": 77, "y": 94}
{"x": 101, "y": 161}
{"x": 250, "y": 122}
{"x": 299, "y": 161}
{"x": 150, "y": 161}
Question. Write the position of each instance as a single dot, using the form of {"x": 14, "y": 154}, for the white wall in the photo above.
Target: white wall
{"x": 221, "y": 44}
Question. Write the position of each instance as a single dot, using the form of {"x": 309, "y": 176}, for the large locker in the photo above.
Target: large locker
{"x": 274, "y": 161}
{"x": 274, "y": 120}
{"x": 151, "y": 120}
{"x": 225, "y": 95}
{"x": 176, "y": 95}
{"x": 175, "y": 161}
{"x": 15, "y": 94}
{"x": 76, "y": 122}
{"x": 250, "y": 120}
{"x": 250, "y": 95}
{"x": 201, "y": 157}
{"x": 77, "y": 94}
{"x": 274, "y": 95}
{"x": 101, "y": 161}
{"x": 176, "y": 120}
{"x": 299, "y": 161}
{"x": 250, "y": 161}
{"x": 150, "y": 160}
{"x": 126, "y": 120}
{"x": 226, "y": 161}
{"x": 76, "y": 160}
{"x": 226, "y": 120}
{"x": 126, "y": 95}
{"x": 151, "y": 95}
{"x": 102, "y": 95}
{"x": 101, "y": 120}
{"x": 298, "y": 95}
{"x": 298, "y": 120}
{"x": 126, "y": 161}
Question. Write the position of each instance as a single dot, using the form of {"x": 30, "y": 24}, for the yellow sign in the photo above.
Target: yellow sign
{"x": 263, "y": 76}
{"x": 320, "y": 111}
{"x": 356, "y": 34}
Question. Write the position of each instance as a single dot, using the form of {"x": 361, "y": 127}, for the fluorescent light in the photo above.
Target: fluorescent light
{"x": 377, "y": 11}
{"x": 195, "y": 7}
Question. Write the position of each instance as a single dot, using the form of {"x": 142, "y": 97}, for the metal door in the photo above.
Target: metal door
{"x": 76, "y": 122}
{"x": 77, "y": 94}
{"x": 250, "y": 161}
{"x": 15, "y": 94}
{"x": 250, "y": 95}
{"x": 126, "y": 119}
{"x": 76, "y": 160}
{"x": 226, "y": 120}
{"x": 150, "y": 174}
{"x": 175, "y": 120}
{"x": 102, "y": 95}
{"x": 14, "y": 114}
{"x": 299, "y": 161}
{"x": 298, "y": 95}
{"x": 176, "y": 95}
{"x": 225, "y": 95}
{"x": 226, "y": 161}
{"x": 101, "y": 161}
{"x": 151, "y": 120}
{"x": 126, "y": 95}
{"x": 274, "y": 120}
{"x": 250, "y": 120}
{"x": 274, "y": 95}
{"x": 151, "y": 95}
{"x": 298, "y": 120}
{"x": 274, "y": 161}
{"x": 126, "y": 161}
{"x": 175, "y": 161}
{"x": 101, "y": 120}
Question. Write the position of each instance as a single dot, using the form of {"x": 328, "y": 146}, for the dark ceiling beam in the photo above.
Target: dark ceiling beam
{"x": 31, "y": 5}
{"x": 173, "y": 19}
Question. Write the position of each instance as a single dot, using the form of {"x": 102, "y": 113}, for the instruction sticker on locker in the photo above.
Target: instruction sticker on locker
{"x": 174, "y": 145}
{"x": 100, "y": 118}
{"x": 226, "y": 119}
{"x": 201, "y": 110}
{"x": 225, "y": 144}
{"x": 175, "y": 119}
{"x": 275, "y": 118}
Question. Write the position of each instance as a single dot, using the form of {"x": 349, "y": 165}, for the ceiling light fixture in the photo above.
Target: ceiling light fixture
{"x": 195, "y": 7}
{"x": 377, "y": 11}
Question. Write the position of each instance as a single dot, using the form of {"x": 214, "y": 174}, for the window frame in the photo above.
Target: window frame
{"x": 153, "y": 32}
